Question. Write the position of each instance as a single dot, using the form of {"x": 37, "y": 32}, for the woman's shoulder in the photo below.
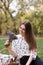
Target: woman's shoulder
{"x": 19, "y": 36}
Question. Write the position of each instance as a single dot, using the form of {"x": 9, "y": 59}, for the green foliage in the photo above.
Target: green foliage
{"x": 36, "y": 18}
{"x": 7, "y": 21}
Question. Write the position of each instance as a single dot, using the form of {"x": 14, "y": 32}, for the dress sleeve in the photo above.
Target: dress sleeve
{"x": 34, "y": 53}
{"x": 14, "y": 45}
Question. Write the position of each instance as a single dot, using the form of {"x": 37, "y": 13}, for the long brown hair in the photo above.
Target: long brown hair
{"x": 29, "y": 35}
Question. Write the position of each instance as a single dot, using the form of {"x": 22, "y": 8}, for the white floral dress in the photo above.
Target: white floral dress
{"x": 20, "y": 47}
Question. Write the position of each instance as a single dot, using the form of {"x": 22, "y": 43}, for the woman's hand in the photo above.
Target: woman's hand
{"x": 7, "y": 43}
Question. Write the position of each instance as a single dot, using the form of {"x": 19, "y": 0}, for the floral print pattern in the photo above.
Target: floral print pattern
{"x": 21, "y": 47}
{"x": 5, "y": 59}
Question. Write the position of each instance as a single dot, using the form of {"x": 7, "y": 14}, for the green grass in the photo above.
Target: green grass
{"x": 39, "y": 47}
{"x": 2, "y": 41}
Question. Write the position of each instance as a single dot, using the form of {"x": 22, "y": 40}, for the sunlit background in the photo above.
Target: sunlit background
{"x": 13, "y": 12}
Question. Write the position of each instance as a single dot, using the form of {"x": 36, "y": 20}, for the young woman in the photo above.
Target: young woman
{"x": 30, "y": 55}
{"x": 24, "y": 48}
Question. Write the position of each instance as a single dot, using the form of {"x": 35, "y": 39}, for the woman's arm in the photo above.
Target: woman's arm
{"x": 29, "y": 60}
{"x": 32, "y": 56}
{"x": 7, "y": 44}
{"x": 11, "y": 52}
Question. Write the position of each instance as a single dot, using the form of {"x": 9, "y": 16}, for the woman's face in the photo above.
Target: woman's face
{"x": 22, "y": 30}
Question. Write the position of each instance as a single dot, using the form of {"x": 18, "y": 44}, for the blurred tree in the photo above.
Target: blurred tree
{"x": 6, "y": 18}
{"x": 36, "y": 18}
{"x": 8, "y": 21}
